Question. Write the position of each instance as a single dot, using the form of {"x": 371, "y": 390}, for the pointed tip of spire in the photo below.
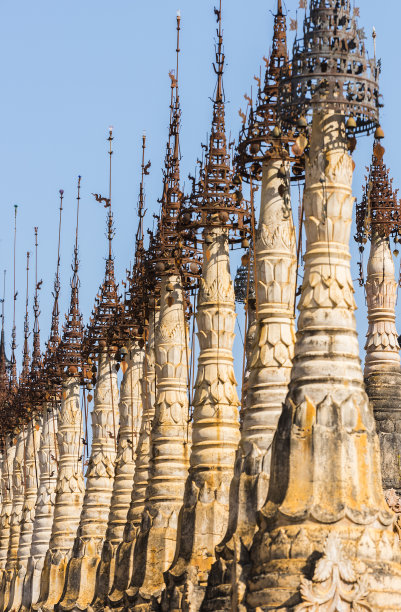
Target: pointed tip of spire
{"x": 279, "y": 7}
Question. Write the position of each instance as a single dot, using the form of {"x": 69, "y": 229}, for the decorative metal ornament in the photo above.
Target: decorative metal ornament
{"x": 330, "y": 69}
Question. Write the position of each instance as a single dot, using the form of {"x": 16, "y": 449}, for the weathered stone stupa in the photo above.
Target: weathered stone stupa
{"x": 379, "y": 218}
{"x": 70, "y": 486}
{"x": 326, "y": 534}
{"x": 204, "y": 515}
{"x": 265, "y": 149}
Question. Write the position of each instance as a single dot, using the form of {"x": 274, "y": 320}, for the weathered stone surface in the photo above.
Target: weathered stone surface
{"x": 125, "y": 551}
{"x": 170, "y": 449}
{"x": 269, "y": 373}
{"x": 215, "y": 434}
{"x": 6, "y": 497}
{"x": 31, "y": 475}
{"x": 18, "y": 485}
{"x": 382, "y": 365}
{"x": 80, "y": 581}
{"x": 130, "y": 408}
{"x": 7, "y": 500}
{"x": 325, "y": 478}
{"x": 44, "y": 509}
{"x": 69, "y": 497}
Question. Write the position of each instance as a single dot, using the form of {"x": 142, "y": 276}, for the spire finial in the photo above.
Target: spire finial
{"x": 36, "y": 312}
{"x": 69, "y": 353}
{"x": 13, "y": 371}
{"x": 219, "y": 65}
{"x": 3, "y": 300}
{"x": 25, "y": 358}
{"x": 110, "y": 232}
{"x": 51, "y": 366}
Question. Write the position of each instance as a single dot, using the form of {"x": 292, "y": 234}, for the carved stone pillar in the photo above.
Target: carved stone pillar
{"x": 18, "y": 486}
{"x": 69, "y": 497}
{"x": 7, "y": 500}
{"x": 79, "y": 590}
{"x": 31, "y": 470}
{"x": 130, "y": 420}
{"x": 325, "y": 499}
{"x": 382, "y": 364}
{"x": 42, "y": 525}
{"x": 170, "y": 448}
{"x": 125, "y": 551}
{"x": 267, "y": 386}
{"x": 215, "y": 433}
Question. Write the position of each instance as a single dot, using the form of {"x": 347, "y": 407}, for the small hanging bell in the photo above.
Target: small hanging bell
{"x": 301, "y": 122}
{"x": 379, "y": 134}
{"x": 351, "y": 123}
{"x": 276, "y": 132}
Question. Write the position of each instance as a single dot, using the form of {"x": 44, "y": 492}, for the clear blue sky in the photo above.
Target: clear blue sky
{"x": 70, "y": 69}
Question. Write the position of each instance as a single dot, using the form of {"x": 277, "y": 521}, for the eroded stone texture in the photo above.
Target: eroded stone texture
{"x": 269, "y": 374}
{"x": 125, "y": 551}
{"x": 382, "y": 365}
{"x": 31, "y": 475}
{"x": 130, "y": 420}
{"x": 7, "y": 499}
{"x": 44, "y": 510}
{"x": 69, "y": 497}
{"x": 79, "y": 589}
{"x": 215, "y": 433}
{"x": 170, "y": 449}
{"x": 325, "y": 476}
{"x": 18, "y": 485}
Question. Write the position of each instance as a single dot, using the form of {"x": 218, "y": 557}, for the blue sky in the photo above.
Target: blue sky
{"x": 70, "y": 69}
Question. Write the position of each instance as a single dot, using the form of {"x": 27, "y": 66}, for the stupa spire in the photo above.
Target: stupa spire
{"x": 264, "y": 152}
{"x": 325, "y": 498}
{"x": 216, "y": 208}
{"x": 70, "y": 486}
{"x": 80, "y": 582}
{"x": 48, "y": 450}
{"x": 379, "y": 219}
{"x": 133, "y": 329}
{"x": 170, "y": 435}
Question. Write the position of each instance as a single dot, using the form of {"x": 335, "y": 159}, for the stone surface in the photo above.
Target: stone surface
{"x": 170, "y": 449}
{"x": 31, "y": 474}
{"x": 44, "y": 510}
{"x": 125, "y": 551}
{"x": 7, "y": 497}
{"x": 215, "y": 434}
{"x": 325, "y": 476}
{"x": 130, "y": 408}
{"x": 269, "y": 373}
{"x": 382, "y": 365}
{"x": 69, "y": 497}
{"x": 80, "y": 581}
{"x": 18, "y": 495}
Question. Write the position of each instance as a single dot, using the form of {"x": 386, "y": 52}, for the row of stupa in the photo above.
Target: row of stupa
{"x": 188, "y": 502}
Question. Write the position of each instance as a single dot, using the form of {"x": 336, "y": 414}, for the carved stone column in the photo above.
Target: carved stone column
{"x": 130, "y": 420}
{"x": 42, "y": 525}
{"x": 170, "y": 448}
{"x": 325, "y": 499}
{"x": 382, "y": 364}
{"x": 267, "y": 386}
{"x": 18, "y": 486}
{"x": 215, "y": 433}
{"x": 79, "y": 590}
{"x": 7, "y": 500}
{"x": 31, "y": 470}
{"x": 69, "y": 497}
{"x": 125, "y": 551}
